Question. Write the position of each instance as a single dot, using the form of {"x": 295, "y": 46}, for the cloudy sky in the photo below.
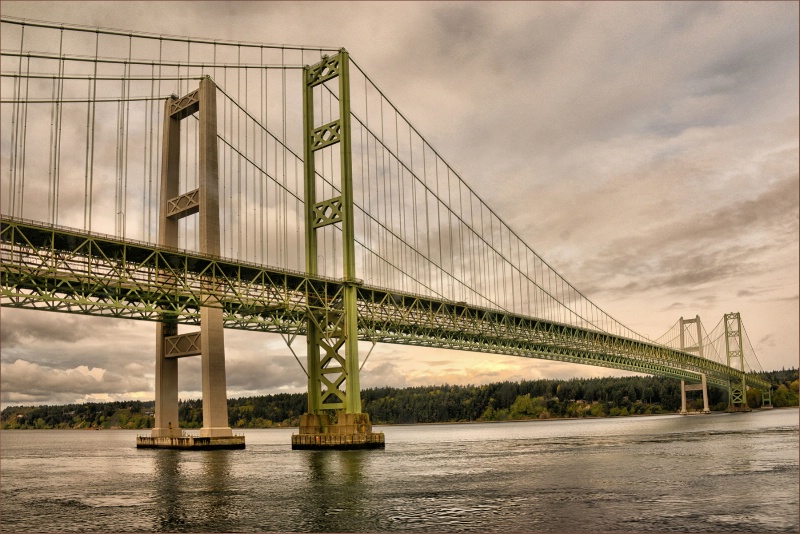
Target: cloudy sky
{"x": 648, "y": 151}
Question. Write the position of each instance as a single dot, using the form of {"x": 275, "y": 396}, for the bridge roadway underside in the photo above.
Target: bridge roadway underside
{"x": 66, "y": 270}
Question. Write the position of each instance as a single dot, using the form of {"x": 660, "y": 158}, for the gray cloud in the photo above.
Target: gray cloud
{"x": 24, "y": 381}
{"x": 730, "y": 242}
{"x": 23, "y": 328}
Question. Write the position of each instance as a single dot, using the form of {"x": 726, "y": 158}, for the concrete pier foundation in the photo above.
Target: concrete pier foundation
{"x": 351, "y": 431}
{"x": 188, "y": 442}
{"x": 736, "y": 408}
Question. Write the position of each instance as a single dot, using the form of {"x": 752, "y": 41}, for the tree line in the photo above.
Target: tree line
{"x": 501, "y": 401}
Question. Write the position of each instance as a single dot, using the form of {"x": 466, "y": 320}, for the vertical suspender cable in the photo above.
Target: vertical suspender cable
{"x": 229, "y": 152}
{"x": 196, "y": 179}
{"x": 527, "y": 284}
{"x": 389, "y": 223}
{"x": 503, "y": 263}
{"x": 481, "y": 261}
{"x": 246, "y": 175}
{"x": 284, "y": 193}
{"x": 427, "y": 211}
{"x": 508, "y": 268}
{"x": 149, "y": 233}
{"x": 363, "y": 184}
{"x": 385, "y": 219}
{"x": 148, "y": 128}
{"x": 368, "y": 189}
{"x": 491, "y": 260}
{"x": 473, "y": 275}
{"x": 401, "y": 193}
{"x": 298, "y": 209}
{"x": 439, "y": 227}
{"x": 536, "y": 312}
{"x": 24, "y": 140}
{"x": 157, "y": 192}
{"x": 267, "y": 198}
{"x": 59, "y": 115}
{"x": 451, "y": 254}
{"x": 277, "y": 200}
{"x": 116, "y": 169}
{"x": 491, "y": 264}
{"x": 51, "y": 157}
{"x": 477, "y": 249}
{"x": 513, "y": 271}
{"x": 86, "y": 154}
{"x": 226, "y": 193}
{"x": 461, "y": 256}
{"x": 127, "y": 136}
{"x": 262, "y": 108}
{"x": 183, "y": 158}
{"x": 15, "y": 129}
{"x": 238, "y": 158}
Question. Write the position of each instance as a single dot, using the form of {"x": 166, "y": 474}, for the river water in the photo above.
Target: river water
{"x": 720, "y": 473}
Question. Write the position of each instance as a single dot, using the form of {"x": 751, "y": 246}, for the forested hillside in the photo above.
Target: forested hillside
{"x": 529, "y": 399}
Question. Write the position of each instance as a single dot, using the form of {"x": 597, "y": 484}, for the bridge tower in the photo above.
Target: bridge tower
{"x": 209, "y": 342}
{"x": 737, "y": 390}
{"x": 697, "y": 348}
{"x": 333, "y": 319}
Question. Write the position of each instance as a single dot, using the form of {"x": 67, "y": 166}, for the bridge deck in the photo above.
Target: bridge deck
{"x": 60, "y": 269}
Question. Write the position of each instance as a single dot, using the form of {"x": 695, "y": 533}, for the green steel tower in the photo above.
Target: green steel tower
{"x": 737, "y": 389}
{"x": 333, "y": 319}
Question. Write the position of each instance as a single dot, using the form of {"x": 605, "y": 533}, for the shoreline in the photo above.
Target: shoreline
{"x": 756, "y": 410}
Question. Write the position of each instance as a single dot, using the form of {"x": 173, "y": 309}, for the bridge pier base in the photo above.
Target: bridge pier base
{"x": 351, "y": 431}
{"x": 737, "y": 408}
{"x": 190, "y": 443}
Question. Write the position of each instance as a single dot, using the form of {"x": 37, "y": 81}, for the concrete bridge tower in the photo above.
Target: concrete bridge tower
{"x": 209, "y": 342}
{"x": 697, "y": 348}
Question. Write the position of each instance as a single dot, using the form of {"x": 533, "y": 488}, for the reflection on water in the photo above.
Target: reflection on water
{"x": 167, "y": 485}
{"x": 191, "y": 483}
{"x": 333, "y": 499}
{"x": 216, "y": 493}
{"x": 721, "y": 473}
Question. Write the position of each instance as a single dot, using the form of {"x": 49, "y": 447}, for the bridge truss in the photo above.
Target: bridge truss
{"x": 63, "y": 270}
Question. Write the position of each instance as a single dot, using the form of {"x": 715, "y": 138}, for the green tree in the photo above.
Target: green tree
{"x": 525, "y": 407}
{"x": 783, "y": 396}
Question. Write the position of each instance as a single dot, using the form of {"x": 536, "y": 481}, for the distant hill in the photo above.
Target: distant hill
{"x": 528, "y": 399}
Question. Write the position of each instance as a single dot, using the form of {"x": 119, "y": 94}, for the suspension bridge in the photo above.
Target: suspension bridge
{"x": 207, "y": 184}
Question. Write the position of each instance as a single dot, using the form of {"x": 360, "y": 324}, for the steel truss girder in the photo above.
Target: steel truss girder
{"x": 57, "y": 269}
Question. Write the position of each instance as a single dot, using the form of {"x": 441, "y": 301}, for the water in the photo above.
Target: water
{"x": 723, "y": 472}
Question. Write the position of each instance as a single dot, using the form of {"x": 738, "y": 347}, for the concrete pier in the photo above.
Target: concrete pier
{"x": 187, "y": 442}
{"x": 352, "y": 431}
